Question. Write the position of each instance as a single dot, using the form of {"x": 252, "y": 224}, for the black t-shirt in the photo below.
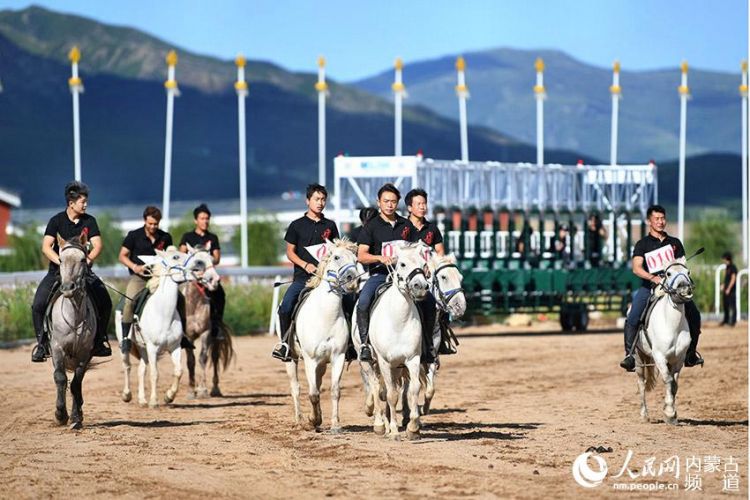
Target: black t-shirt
{"x": 378, "y": 231}
{"x": 305, "y": 232}
{"x": 430, "y": 234}
{"x": 731, "y": 270}
{"x": 139, "y": 244}
{"x": 196, "y": 239}
{"x": 650, "y": 243}
{"x": 67, "y": 229}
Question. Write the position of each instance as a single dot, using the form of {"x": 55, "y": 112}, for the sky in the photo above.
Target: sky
{"x": 360, "y": 38}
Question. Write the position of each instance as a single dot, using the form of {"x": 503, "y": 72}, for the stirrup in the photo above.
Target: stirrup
{"x": 40, "y": 353}
{"x": 282, "y": 351}
{"x": 698, "y": 360}
{"x": 365, "y": 353}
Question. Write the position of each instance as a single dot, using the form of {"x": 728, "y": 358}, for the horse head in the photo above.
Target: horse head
{"x": 677, "y": 281}
{"x": 73, "y": 265}
{"x": 338, "y": 267}
{"x": 200, "y": 264}
{"x": 170, "y": 263}
{"x": 446, "y": 284}
{"x": 408, "y": 271}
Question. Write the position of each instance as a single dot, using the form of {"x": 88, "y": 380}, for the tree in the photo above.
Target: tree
{"x": 265, "y": 243}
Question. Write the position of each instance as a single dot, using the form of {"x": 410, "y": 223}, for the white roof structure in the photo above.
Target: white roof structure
{"x": 10, "y": 198}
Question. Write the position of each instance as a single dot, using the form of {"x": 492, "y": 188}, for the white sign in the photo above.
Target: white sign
{"x": 388, "y": 249}
{"x": 317, "y": 251}
{"x": 658, "y": 260}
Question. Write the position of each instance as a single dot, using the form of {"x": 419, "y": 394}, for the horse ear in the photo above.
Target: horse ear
{"x": 60, "y": 241}
{"x": 452, "y": 258}
{"x": 208, "y": 245}
{"x": 189, "y": 247}
{"x": 681, "y": 260}
{"x": 160, "y": 253}
{"x": 83, "y": 238}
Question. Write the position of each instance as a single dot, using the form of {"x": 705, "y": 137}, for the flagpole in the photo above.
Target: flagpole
{"x": 322, "y": 87}
{"x": 399, "y": 92}
{"x": 463, "y": 93}
{"x": 616, "y": 92}
{"x": 540, "y": 95}
{"x": 76, "y": 87}
{"x": 684, "y": 92}
{"x": 241, "y": 88}
{"x": 172, "y": 91}
{"x": 743, "y": 93}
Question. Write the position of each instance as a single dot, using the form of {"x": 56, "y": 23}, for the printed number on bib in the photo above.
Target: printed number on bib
{"x": 388, "y": 248}
{"x": 658, "y": 260}
{"x": 317, "y": 251}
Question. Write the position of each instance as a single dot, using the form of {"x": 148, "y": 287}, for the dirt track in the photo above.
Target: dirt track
{"x": 510, "y": 416}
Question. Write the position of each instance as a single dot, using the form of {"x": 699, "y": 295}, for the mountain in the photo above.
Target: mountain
{"x": 123, "y": 118}
{"x": 577, "y": 111}
{"x": 711, "y": 179}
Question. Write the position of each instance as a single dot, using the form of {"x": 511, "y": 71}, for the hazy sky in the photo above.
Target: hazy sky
{"x": 360, "y": 37}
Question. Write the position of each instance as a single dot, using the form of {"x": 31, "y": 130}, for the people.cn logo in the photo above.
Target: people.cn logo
{"x": 584, "y": 475}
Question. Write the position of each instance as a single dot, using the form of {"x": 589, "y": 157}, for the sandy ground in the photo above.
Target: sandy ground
{"x": 511, "y": 415}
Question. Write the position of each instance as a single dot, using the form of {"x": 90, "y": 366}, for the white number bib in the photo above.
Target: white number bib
{"x": 317, "y": 251}
{"x": 658, "y": 260}
{"x": 388, "y": 249}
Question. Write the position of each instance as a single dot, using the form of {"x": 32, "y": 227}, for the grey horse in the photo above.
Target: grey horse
{"x": 72, "y": 327}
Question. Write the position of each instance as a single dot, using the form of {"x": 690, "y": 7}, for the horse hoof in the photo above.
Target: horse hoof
{"x": 395, "y": 436}
{"x": 413, "y": 436}
{"x": 168, "y": 399}
{"x": 644, "y": 419}
{"x": 216, "y": 393}
{"x": 62, "y": 418}
{"x": 190, "y": 396}
{"x": 126, "y": 396}
{"x": 336, "y": 431}
{"x": 76, "y": 426}
{"x": 153, "y": 404}
{"x": 369, "y": 410}
{"x": 379, "y": 430}
{"x": 202, "y": 394}
{"x": 671, "y": 421}
{"x": 309, "y": 426}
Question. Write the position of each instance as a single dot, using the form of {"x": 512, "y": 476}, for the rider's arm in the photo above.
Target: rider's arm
{"x": 365, "y": 257}
{"x": 96, "y": 248}
{"x": 48, "y": 242}
{"x": 291, "y": 254}
{"x": 124, "y": 259}
{"x": 639, "y": 271}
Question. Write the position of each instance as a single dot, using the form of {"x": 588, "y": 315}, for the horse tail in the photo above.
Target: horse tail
{"x": 649, "y": 374}
{"x": 221, "y": 351}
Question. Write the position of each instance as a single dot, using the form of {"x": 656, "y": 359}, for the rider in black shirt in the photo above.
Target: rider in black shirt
{"x": 202, "y": 237}
{"x": 310, "y": 229}
{"x": 656, "y": 238}
{"x": 70, "y": 223}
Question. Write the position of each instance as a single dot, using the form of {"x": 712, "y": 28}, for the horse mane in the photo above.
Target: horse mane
{"x": 317, "y": 278}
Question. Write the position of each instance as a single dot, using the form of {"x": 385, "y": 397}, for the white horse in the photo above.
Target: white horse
{"x": 321, "y": 331}
{"x": 396, "y": 338}
{"x": 158, "y": 328}
{"x": 664, "y": 344}
{"x": 446, "y": 280}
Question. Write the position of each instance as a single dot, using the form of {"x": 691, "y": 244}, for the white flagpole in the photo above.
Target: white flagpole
{"x": 684, "y": 92}
{"x": 76, "y": 87}
{"x": 463, "y": 93}
{"x": 399, "y": 92}
{"x": 322, "y": 87}
{"x": 241, "y": 88}
{"x": 616, "y": 96}
{"x": 540, "y": 95}
{"x": 172, "y": 91}
{"x": 743, "y": 93}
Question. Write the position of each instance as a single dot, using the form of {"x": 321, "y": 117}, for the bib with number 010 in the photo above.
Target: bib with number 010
{"x": 658, "y": 260}
{"x": 317, "y": 251}
{"x": 388, "y": 248}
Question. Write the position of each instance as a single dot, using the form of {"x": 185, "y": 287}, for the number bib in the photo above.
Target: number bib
{"x": 317, "y": 251}
{"x": 658, "y": 260}
{"x": 388, "y": 248}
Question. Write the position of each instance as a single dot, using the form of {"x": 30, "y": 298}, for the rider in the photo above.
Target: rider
{"x": 202, "y": 237}
{"x": 386, "y": 227}
{"x": 142, "y": 241}
{"x": 71, "y": 223}
{"x": 311, "y": 229}
{"x": 656, "y": 238}
{"x": 429, "y": 233}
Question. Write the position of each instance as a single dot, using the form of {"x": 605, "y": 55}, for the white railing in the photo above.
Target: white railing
{"x": 738, "y": 291}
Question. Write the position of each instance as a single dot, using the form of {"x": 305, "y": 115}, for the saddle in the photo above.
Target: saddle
{"x": 653, "y": 299}
{"x": 139, "y": 302}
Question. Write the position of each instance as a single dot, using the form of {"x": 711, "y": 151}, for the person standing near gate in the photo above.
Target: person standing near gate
{"x": 729, "y": 291}
{"x": 656, "y": 239}
{"x": 387, "y": 227}
{"x": 311, "y": 229}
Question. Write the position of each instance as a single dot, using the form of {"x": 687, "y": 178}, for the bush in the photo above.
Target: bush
{"x": 112, "y": 238}
{"x": 717, "y": 233}
{"x": 25, "y": 251}
{"x": 264, "y": 242}
{"x": 15, "y": 313}
{"x": 179, "y": 227}
{"x": 248, "y": 307}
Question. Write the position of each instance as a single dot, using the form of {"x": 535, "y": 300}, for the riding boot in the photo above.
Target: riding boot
{"x": 40, "y": 353}
{"x": 693, "y": 358}
{"x": 126, "y": 343}
{"x": 185, "y": 342}
{"x": 363, "y": 326}
{"x": 101, "y": 343}
{"x": 428, "y": 356}
{"x": 446, "y": 347}
{"x": 631, "y": 332}
{"x": 282, "y": 350}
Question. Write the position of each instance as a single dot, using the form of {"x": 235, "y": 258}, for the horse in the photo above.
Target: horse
{"x": 72, "y": 327}
{"x": 662, "y": 346}
{"x": 396, "y": 338}
{"x": 198, "y": 323}
{"x": 158, "y": 328}
{"x": 322, "y": 332}
{"x": 445, "y": 280}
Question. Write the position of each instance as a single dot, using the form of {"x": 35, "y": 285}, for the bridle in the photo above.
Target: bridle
{"x": 403, "y": 283}
{"x": 674, "y": 293}
{"x": 444, "y": 297}
{"x": 79, "y": 282}
{"x": 194, "y": 272}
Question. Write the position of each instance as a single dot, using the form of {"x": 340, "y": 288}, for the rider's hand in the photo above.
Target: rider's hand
{"x": 656, "y": 280}
{"x": 138, "y": 269}
{"x": 388, "y": 261}
{"x": 307, "y": 268}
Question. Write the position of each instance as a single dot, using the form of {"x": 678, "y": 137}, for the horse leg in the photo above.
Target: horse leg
{"x": 365, "y": 371}
{"x": 337, "y": 369}
{"x": 202, "y": 391}
{"x": 392, "y": 395}
{"x": 126, "y": 394}
{"x": 404, "y": 396}
{"x": 61, "y": 380}
{"x": 314, "y": 373}
{"x": 152, "y": 353}
{"x": 176, "y": 355}
{"x": 429, "y": 391}
{"x": 76, "y": 390}
{"x": 291, "y": 372}
{"x": 191, "y": 373}
{"x": 414, "y": 367}
{"x": 641, "y": 373}
{"x": 670, "y": 415}
{"x": 215, "y": 361}
{"x": 142, "y": 378}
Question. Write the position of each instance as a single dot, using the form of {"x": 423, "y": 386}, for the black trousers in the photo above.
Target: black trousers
{"x": 730, "y": 309}
{"x": 218, "y": 301}
{"x": 98, "y": 294}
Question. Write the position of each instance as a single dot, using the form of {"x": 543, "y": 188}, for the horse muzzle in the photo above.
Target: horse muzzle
{"x": 418, "y": 288}
{"x": 67, "y": 289}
